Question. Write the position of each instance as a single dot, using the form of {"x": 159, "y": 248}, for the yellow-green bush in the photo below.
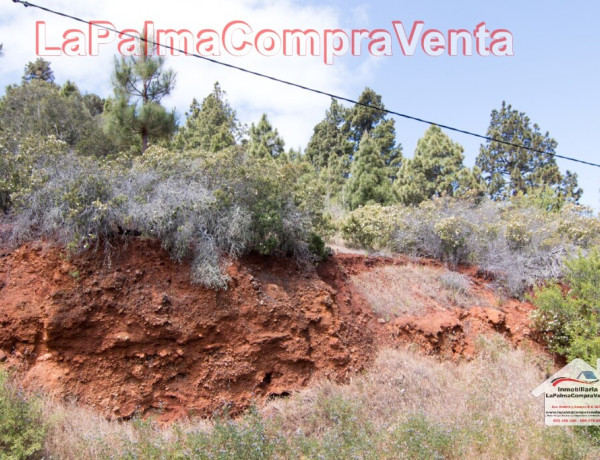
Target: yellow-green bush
{"x": 22, "y": 430}
{"x": 370, "y": 227}
{"x": 453, "y": 232}
{"x": 570, "y": 321}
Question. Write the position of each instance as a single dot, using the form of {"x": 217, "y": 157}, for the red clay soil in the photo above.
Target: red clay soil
{"x": 449, "y": 331}
{"x": 136, "y": 337}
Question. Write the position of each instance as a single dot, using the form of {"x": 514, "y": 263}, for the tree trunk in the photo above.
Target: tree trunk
{"x": 144, "y": 140}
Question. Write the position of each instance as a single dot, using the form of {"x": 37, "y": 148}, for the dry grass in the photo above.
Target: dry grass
{"x": 481, "y": 407}
{"x": 407, "y": 406}
{"x": 77, "y": 432}
{"x": 412, "y": 289}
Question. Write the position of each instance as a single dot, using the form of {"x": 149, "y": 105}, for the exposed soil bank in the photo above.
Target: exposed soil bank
{"x": 137, "y": 337}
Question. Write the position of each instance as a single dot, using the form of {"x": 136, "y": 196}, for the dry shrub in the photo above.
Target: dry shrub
{"x": 521, "y": 244}
{"x": 203, "y": 208}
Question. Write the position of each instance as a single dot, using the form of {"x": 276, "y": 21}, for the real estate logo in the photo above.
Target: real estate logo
{"x": 572, "y": 395}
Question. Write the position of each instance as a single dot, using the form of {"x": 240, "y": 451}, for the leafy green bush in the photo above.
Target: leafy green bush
{"x": 22, "y": 164}
{"x": 453, "y": 232}
{"x": 22, "y": 431}
{"x": 369, "y": 227}
{"x": 569, "y": 321}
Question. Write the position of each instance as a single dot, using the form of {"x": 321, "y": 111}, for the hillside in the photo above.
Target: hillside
{"x": 136, "y": 337}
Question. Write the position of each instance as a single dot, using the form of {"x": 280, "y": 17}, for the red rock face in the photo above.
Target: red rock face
{"x": 135, "y": 337}
{"x": 139, "y": 338}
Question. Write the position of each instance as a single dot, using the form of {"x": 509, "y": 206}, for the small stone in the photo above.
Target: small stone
{"x": 3, "y": 356}
{"x": 381, "y": 321}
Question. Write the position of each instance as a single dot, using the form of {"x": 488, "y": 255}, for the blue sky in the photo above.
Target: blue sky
{"x": 552, "y": 77}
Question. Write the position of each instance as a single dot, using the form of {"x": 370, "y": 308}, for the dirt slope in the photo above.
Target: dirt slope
{"x": 136, "y": 337}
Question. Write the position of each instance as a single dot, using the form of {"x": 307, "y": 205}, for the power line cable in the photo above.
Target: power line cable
{"x": 303, "y": 87}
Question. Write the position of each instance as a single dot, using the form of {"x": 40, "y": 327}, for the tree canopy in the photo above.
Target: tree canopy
{"x": 369, "y": 182}
{"x": 41, "y": 108}
{"x": 436, "y": 169}
{"x": 265, "y": 140}
{"x": 512, "y": 169}
{"x": 38, "y": 70}
{"x": 362, "y": 119}
{"x": 211, "y": 126}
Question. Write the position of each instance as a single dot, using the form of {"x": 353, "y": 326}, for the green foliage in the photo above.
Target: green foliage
{"x": 364, "y": 119}
{"x": 330, "y": 139}
{"x": 370, "y": 227}
{"x": 418, "y": 438}
{"x": 436, "y": 169}
{"x": 38, "y": 70}
{"x": 144, "y": 80}
{"x": 309, "y": 195}
{"x": 336, "y": 144}
{"x": 369, "y": 182}
{"x": 330, "y": 150}
{"x": 367, "y": 121}
{"x": 210, "y": 126}
{"x": 22, "y": 431}
{"x": 265, "y": 141}
{"x": 521, "y": 245}
{"x": 569, "y": 319}
{"x": 41, "y": 108}
{"x": 245, "y": 439}
{"x": 508, "y": 170}
{"x": 453, "y": 232}
{"x": 21, "y": 169}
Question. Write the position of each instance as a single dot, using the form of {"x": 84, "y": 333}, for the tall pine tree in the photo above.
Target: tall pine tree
{"x": 509, "y": 170}
{"x": 265, "y": 140}
{"x": 436, "y": 169}
{"x": 362, "y": 119}
{"x": 330, "y": 150}
{"x": 210, "y": 126}
{"x": 38, "y": 70}
{"x": 330, "y": 139}
{"x": 369, "y": 182}
{"x": 139, "y": 83}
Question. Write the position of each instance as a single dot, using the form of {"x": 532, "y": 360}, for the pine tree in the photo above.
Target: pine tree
{"x": 38, "y": 70}
{"x": 361, "y": 120}
{"x": 436, "y": 169}
{"x": 509, "y": 170}
{"x": 141, "y": 79}
{"x": 210, "y": 126}
{"x": 330, "y": 149}
{"x": 330, "y": 139}
{"x": 265, "y": 140}
{"x": 369, "y": 182}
